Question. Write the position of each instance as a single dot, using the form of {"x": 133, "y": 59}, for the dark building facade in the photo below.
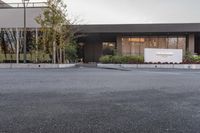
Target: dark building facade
{"x": 131, "y": 39}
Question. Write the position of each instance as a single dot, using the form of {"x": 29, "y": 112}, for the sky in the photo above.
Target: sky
{"x": 132, "y": 11}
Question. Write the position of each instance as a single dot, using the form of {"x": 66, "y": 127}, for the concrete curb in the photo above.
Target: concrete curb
{"x": 153, "y": 66}
{"x": 36, "y": 66}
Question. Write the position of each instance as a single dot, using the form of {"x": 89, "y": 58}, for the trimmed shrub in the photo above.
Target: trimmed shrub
{"x": 122, "y": 59}
{"x": 140, "y": 59}
{"x": 196, "y": 59}
{"x": 191, "y": 59}
{"x": 116, "y": 59}
{"x": 188, "y": 57}
{"x": 105, "y": 59}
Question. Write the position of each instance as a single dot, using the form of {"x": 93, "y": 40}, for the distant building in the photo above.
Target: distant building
{"x": 98, "y": 40}
{"x": 12, "y": 24}
{"x": 131, "y": 39}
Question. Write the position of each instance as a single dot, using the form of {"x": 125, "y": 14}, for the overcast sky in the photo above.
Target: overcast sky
{"x": 132, "y": 11}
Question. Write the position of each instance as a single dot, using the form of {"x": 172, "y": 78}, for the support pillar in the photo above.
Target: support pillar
{"x": 191, "y": 43}
{"x": 119, "y": 45}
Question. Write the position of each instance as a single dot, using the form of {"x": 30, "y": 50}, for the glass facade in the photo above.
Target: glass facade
{"x": 11, "y": 40}
{"x": 108, "y": 48}
{"x": 136, "y": 45}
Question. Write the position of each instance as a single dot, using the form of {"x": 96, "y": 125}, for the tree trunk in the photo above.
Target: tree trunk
{"x": 54, "y": 52}
{"x": 64, "y": 60}
{"x": 36, "y": 41}
{"x": 17, "y": 48}
{"x": 60, "y": 55}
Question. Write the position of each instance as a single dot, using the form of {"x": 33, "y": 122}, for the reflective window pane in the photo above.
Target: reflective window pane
{"x": 172, "y": 42}
{"x": 108, "y": 48}
{"x": 136, "y": 45}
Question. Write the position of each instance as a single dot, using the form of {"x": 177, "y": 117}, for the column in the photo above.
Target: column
{"x": 119, "y": 45}
{"x": 191, "y": 43}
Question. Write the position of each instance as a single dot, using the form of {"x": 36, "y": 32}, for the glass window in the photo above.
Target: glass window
{"x": 172, "y": 42}
{"x": 126, "y": 47}
{"x": 136, "y": 45}
{"x": 151, "y": 42}
{"x": 182, "y": 43}
{"x": 108, "y": 48}
{"x": 162, "y": 43}
{"x": 133, "y": 46}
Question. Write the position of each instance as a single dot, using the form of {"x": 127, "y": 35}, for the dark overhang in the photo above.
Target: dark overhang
{"x": 140, "y": 28}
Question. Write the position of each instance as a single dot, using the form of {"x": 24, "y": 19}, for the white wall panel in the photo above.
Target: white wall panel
{"x": 14, "y": 17}
{"x": 163, "y": 55}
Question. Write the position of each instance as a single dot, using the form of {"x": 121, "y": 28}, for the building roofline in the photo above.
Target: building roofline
{"x": 139, "y": 28}
{"x": 20, "y": 5}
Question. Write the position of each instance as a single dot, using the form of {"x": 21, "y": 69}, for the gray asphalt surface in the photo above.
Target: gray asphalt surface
{"x": 89, "y": 100}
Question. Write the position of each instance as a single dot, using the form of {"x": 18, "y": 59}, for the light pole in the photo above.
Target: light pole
{"x": 24, "y": 4}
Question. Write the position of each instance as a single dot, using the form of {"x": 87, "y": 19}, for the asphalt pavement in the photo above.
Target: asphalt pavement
{"x": 91, "y": 100}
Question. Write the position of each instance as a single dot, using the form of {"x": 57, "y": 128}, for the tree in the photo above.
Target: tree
{"x": 55, "y": 29}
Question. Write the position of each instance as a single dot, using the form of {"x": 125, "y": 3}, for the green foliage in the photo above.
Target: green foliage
{"x": 105, "y": 59}
{"x": 116, "y": 59}
{"x": 56, "y": 31}
{"x": 196, "y": 59}
{"x": 71, "y": 52}
{"x": 31, "y": 57}
{"x": 189, "y": 58}
{"x": 132, "y": 59}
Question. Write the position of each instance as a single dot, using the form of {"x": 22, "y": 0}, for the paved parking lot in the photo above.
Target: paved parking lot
{"x": 89, "y": 100}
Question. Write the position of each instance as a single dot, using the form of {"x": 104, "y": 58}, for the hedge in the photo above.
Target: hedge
{"x": 116, "y": 59}
{"x": 191, "y": 59}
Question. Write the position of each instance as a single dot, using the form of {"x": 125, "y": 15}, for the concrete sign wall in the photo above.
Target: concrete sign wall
{"x": 163, "y": 55}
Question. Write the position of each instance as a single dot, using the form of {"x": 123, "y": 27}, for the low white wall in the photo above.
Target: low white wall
{"x": 156, "y": 55}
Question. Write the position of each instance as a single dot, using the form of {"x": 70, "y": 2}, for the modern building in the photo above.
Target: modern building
{"x": 12, "y": 28}
{"x": 98, "y": 40}
{"x": 131, "y": 39}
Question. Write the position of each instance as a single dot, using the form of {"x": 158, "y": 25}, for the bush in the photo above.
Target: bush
{"x": 105, "y": 59}
{"x": 116, "y": 59}
{"x": 71, "y": 52}
{"x": 196, "y": 59}
{"x": 140, "y": 59}
{"x": 122, "y": 59}
{"x": 189, "y": 58}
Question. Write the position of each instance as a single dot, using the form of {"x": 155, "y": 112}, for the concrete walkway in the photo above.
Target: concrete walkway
{"x": 152, "y": 66}
{"x": 13, "y": 65}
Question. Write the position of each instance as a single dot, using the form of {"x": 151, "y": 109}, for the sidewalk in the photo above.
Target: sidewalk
{"x": 153, "y": 66}
{"x": 14, "y": 65}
